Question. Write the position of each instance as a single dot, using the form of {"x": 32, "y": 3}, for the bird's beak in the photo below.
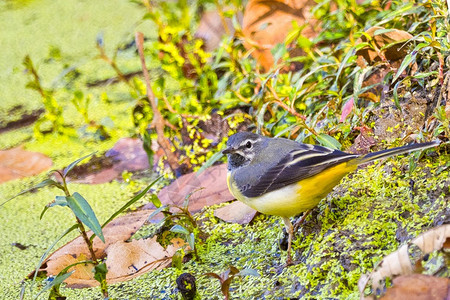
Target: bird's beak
{"x": 228, "y": 150}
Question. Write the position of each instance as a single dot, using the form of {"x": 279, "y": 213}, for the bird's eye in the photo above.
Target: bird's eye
{"x": 248, "y": 145}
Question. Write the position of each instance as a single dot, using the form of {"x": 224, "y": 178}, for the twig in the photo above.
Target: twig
{"x": 158, "y": 119}
{"x": 113, "y": 65}
{"x": 279, "y": 102}
{"x": 222, "y": 18}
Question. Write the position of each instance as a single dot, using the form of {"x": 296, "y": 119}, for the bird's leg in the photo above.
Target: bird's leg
{"x": 290, "y": 231}
{"x": 301, "y": 220}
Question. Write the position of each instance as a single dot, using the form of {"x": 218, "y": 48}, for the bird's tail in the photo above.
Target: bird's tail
{"x": 394, "y": 151}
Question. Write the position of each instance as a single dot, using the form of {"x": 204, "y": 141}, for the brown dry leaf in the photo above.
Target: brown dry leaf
{"x": 236, "y": 212}
{"x": 267, "y": 23}
{"x": 210, "y": 188}
{"x": 129, "y": 260}
{"x": 83, "y": 272}
{"x": 127, "y": 154}
{"x": 418, "y": 287}
{"x": 396, "y": 52}
{"x": 398, "y": 262}
{"x": 19, "y": 163}
{"x": 125, "y": 261}
{"x": 211, "y": 28}
{"x": 120, "y": 229}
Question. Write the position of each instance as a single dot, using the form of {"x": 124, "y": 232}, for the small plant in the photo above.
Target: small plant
{"x": 185, "y": 225}
{"x": 81, "y": 103}
{"x": 53, "y": 110}
{"x": 84, "y": 217}
{"x": 226, "y": 277}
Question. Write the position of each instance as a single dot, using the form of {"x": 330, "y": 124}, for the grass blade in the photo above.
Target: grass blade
{"x": 131, "y": 202}
{"x": 409, "y": 59}
{"x": 46, "y": 182}
{"x": 73, "y": 164}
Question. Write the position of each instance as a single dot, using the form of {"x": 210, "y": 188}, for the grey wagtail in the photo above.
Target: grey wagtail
{"x": 281, "y": 177}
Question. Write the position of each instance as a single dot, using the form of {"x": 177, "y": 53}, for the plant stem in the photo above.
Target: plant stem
{"x": 89, "y": 244}
{"x": 158, "y": 119}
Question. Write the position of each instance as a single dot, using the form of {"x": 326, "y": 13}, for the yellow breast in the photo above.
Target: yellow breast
{"x": 295, "y": 198}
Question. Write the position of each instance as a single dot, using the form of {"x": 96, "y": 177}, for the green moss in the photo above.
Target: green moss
{"x": 366, "y": 217}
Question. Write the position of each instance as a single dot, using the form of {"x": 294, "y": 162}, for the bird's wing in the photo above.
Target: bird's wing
{"x": 298, "y": 164}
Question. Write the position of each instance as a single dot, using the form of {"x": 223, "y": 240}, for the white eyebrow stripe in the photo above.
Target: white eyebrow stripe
{"x": 250, "y": 140}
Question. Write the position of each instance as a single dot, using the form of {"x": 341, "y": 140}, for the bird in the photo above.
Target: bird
{"x": 282, "y": 177}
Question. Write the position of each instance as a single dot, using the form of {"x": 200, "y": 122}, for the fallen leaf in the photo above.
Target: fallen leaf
{"x": 18, "y": 163}
{"x": 83, "y": 272}
{"x": 120, "y": 229}
{"x": 128, "y": 260}
{"x": 418, "y": 287}
{"x": 381, "y": 38}
{"x": 124, "y": 260}
{"x": 207, "y": 188}
{"x": 211, "y": 29}
{"x": 267, "y": 23}
{"x": 127, "y": 154}
{"x": 399, "y": 263}
{"x": 236, "y": 212}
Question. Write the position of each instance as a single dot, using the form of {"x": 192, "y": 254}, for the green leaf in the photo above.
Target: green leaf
{"x": 46, "y": 182}
{"x": 409, "y": 59}
{"x": 191, "y": 240}
{"x": 59, "y": 201}
{"x": 215, "y": 157}
{"x": 100, "y": 271}
{"x": 179, "y": 229}
{"x": 84, "y": 212}
{"x": 56, "y": 281}
{"x": 63, "y": 275}
{"x": 425, "y": 75}
{"x": 188, "y": 196}
{"x": 73, "y": 164}
{"x": 328, "y": 141}
{"x": 260, "y": 117}
{"x": 395, "y": 95}
{"x": 278, "y": 51}
{"x": 22, "y": 291}
{"x": 157, "y": 211}
{"x": 349, "y": 54}
{"x": 177, "y": 259}
{"x": 155, "y": 200}
{"x": 381, "y": 31}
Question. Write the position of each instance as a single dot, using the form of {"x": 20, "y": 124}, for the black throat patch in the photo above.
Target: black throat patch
{"x": 235, "y": 161}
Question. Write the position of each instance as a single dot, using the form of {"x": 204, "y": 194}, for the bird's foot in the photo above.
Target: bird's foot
{"x": 301, "y": 220}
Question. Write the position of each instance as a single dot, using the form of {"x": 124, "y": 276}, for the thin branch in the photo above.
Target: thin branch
{"x": 158, "y": 119}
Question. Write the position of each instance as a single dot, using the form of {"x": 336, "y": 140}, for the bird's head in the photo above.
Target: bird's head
{"x": 241, "y": 149}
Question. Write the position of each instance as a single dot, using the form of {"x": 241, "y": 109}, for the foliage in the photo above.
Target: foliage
{"x": 309, "y": 105}
{"x": 84, "y": 216}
